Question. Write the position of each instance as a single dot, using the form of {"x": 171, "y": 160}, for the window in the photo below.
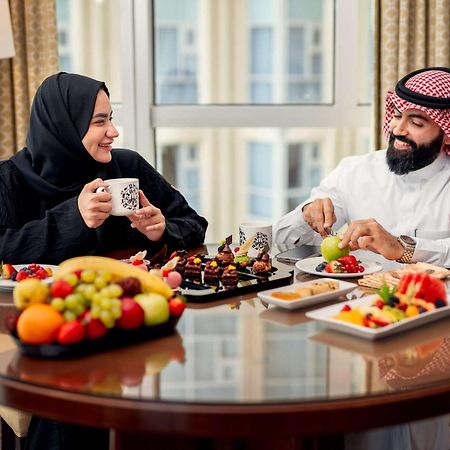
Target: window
{"x": 244, "y": 105}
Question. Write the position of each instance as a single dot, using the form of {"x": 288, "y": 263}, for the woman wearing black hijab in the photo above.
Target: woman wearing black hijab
{"x": 50, "y": 210}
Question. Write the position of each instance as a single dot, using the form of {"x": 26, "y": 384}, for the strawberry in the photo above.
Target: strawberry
{"x": 7, "y": 271}
{"x": 41, "y": 273}
{"x": 22, "y": 275}
{"x": 33, "y": 267}
{"x": 334, "y": 267}
{"x": 349, "y": 260}
{"x": 61, "y": 288}
{"x": 380, "y": 304}
{"x": 378, "y": 322}
{"x": 70, "y": 333}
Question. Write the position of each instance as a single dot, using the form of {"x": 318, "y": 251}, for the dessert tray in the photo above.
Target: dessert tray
{"x": 309, "y": 265}
{"x": 8, "y": 285}
{"x": 325, "y": 315}
{"x": 115, "y": 338}
{"x": 341, "y": 288}
{"x": 199, "y": 291}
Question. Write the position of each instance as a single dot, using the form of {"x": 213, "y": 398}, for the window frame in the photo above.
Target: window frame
{"x": 140, "y": 116}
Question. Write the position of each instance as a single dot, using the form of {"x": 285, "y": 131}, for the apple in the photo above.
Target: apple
{"x": 30, "y": 291}
{"x": 176, "y": 307}
{"x": 94, "y": 327}
{"x": 132, "y": 314}
{"x": 330, "y": 250}
{"x": 155, "y": 306}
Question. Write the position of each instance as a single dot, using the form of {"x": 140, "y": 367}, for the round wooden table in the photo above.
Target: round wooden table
{"x": 237, "y": 371}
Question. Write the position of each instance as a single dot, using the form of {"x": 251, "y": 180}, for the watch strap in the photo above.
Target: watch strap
{"x": 408, "y": 251}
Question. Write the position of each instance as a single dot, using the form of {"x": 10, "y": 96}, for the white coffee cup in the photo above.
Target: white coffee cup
{"x": 125, "y": 195}
{"x": 261, "y": 232}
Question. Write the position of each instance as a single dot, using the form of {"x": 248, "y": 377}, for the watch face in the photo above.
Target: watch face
{"x": 408, "y": 240}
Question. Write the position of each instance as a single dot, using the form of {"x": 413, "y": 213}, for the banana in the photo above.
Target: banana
{"x": 118, "y": 269}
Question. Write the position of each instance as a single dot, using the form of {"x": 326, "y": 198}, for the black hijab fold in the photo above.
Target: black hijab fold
{"x": 54, "y": 162}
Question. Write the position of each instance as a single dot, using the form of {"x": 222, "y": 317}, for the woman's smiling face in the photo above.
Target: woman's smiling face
{"x": 101, "y": 133}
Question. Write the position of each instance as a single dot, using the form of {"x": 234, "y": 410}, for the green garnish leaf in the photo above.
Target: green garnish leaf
{"x": 385, "y": 292}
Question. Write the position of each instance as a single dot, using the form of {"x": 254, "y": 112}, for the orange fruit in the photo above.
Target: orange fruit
{"x": 39, "y": 324}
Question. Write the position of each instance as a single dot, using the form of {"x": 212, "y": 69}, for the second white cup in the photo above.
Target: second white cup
{"x": 261, "y": 233}
{"x": 125, "y": 195}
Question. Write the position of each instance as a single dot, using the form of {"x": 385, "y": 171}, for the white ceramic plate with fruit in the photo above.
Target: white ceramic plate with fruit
{"x": 8, "y": 285}
{"x": 326, "y": 316}
{"x": 301, "y": 295}
{"x": 309, "y": 265}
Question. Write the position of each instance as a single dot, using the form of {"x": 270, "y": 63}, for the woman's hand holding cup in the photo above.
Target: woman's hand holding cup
{"x": 148, "y": 220}
{"x": 94, "y": 206}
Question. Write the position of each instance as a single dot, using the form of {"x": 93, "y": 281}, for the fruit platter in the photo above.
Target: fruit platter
{"x": 11, "y": 274}
{"x": 93, "y": 304}
{"x": 418, "y": 299}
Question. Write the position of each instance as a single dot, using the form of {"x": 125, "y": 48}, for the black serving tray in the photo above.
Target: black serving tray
{"x": 200, "y": 292}
{"x": 115, "y": 338}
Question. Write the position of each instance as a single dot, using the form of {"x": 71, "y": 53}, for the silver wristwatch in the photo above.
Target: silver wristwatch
{"x": 409, "y": 245}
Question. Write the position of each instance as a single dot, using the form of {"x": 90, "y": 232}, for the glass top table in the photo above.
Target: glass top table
{"x": 236, "y": 367}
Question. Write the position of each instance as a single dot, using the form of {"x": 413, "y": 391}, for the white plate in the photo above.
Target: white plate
{"x": 309, "y": 265}
{"x": 266, "y": 296}
{"x": 8, "y": 285}
{"x": 326, "y": 314}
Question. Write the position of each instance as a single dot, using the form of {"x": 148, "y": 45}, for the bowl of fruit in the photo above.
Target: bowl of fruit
{"x": 93, "y": 304}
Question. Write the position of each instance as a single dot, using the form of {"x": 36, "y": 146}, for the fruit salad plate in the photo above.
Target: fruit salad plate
{"x": 8, "y": 285}
{"x": 295, "y": 296}
{"x": 309, "y": 265}
{"x": 326, "y": 316}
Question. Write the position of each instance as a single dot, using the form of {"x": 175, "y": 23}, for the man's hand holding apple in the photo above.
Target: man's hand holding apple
{"x": 320, "y": 216}
{"x": 368, "y": 234}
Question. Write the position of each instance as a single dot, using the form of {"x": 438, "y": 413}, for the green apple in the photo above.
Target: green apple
{"x": 155, "y": 306}
{"x": 330, "y": 250}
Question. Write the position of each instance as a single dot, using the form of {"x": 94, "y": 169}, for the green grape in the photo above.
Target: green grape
{"x": 88, "y": 276}
{"x": 81, "y": 288}
{"x": 115, "y": 290}
{"x": 105, "y": 275}
{"x": 71, "y": 278}
{"x": 72, "y": 300}
{"x": 116, "y": 311}
{"x": 106, "y": 304}
{"x": 79, "y": 309}
{"x": 106, "y": 318}
{"x": 95, "y": 312}
{"x": 90, "y": 291}
{"x": 58, "y": 304}
{"x": 69, "y": 316}
{"x": 100, "y": 282}
{"x": 97, "y": 298}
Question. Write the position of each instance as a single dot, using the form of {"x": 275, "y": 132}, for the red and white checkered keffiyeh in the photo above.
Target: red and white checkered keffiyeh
{"x": 425, "y": 89}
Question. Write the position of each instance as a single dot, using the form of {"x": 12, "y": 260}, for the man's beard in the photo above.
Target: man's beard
{"x": 418, "y": 156}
